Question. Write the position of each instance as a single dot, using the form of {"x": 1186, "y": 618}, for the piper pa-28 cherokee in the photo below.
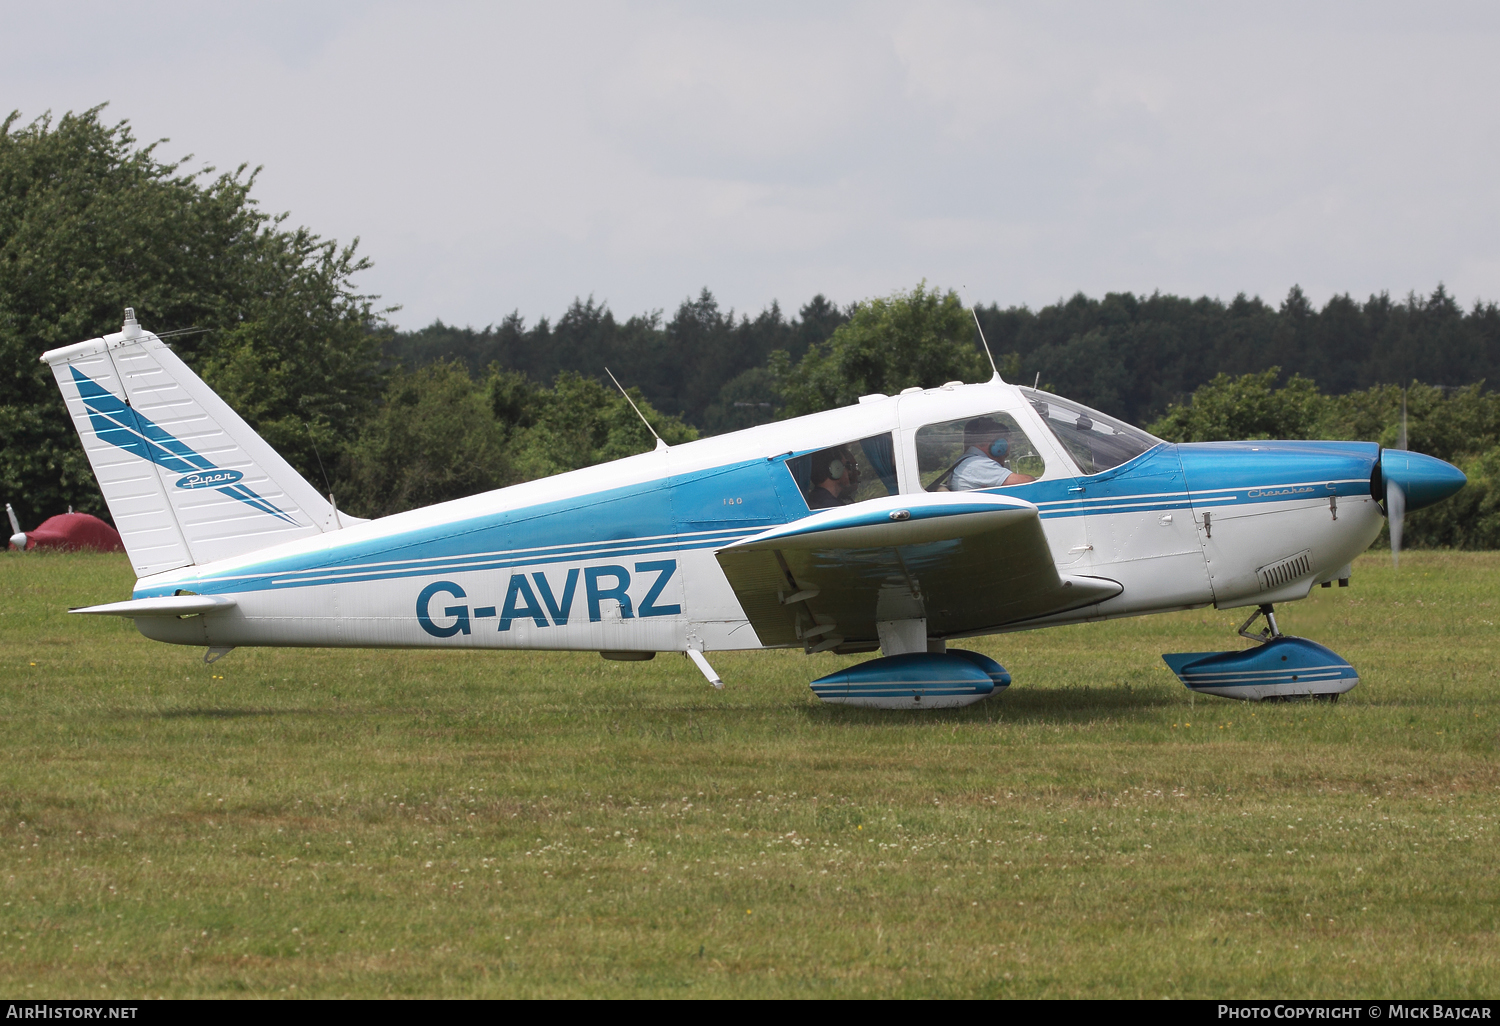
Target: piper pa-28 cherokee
{"x": 846, "y": 531}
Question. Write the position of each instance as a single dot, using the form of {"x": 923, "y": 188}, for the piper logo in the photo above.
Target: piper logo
{"x": 209, "y": 479}
{"x": 534, "y": 597}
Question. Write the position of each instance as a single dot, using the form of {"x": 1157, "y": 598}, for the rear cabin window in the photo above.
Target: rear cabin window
{"x": 842, "y": 475}
{"x": 1098, "y": 442}
{"x": 961, "y": 455}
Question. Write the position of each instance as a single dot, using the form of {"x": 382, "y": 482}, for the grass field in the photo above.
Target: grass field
{"x": 324, "y": 823}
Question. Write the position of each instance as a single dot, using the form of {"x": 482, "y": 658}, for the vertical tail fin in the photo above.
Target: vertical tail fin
{"x": 186, "y": 479}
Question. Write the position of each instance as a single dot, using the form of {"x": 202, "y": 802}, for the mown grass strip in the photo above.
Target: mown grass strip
{"x": 505, "y": 824}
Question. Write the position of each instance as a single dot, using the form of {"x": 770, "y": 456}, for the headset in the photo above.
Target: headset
{"x": 999, "y": 448}
{"x": 836, "y": 470}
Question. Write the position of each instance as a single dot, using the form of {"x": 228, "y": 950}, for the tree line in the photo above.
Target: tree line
{"x": 91, "y": 220}
{"x": 1130, "y": 356}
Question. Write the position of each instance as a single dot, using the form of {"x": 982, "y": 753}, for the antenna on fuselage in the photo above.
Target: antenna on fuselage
{"x": 982, "y": 340}
{"x": 659, "y": 443}
{"x": 338, "y": 524}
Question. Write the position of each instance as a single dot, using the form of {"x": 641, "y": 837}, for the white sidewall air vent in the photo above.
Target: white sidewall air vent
{"x": 1285, "y": 571}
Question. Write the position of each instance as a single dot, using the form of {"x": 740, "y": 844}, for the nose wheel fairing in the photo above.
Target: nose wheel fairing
{"x": 1278, "y": 667}
{"x": 1283, "y": 667}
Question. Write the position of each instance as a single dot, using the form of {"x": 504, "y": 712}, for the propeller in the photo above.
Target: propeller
{"x": 1395, "y": 510}
{"x": 1395, "y": 497}
{"x": 17, "y": 538}
{"x": 1412, "y": 480}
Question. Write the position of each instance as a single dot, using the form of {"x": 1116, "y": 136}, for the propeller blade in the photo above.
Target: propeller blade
{"x": 1395, "y": 511}
{"x": 1395, "y": 498}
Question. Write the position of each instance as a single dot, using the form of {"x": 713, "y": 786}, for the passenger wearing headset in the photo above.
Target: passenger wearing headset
{"x": 986, "y": 446}
{"x": 835, "y": 476}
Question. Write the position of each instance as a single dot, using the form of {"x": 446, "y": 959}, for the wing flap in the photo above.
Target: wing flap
{"x": 966, "y": 563}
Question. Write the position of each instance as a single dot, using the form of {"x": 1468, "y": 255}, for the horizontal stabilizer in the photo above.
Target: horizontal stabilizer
{"x": 166, "y": 605}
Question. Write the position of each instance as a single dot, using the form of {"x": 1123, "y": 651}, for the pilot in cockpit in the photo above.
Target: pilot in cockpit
{"x": 835, "y": 478}
{"x": 986, "y": 448}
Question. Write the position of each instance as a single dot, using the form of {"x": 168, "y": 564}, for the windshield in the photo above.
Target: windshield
{"x": 1096, "y": 441}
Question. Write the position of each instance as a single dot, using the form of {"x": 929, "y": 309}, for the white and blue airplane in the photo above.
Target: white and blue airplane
{"x": 848, "y": 531}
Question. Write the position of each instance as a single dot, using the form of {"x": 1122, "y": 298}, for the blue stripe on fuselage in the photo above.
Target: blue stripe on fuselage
{"x": 683, "y": 512}
{"x": 679, "y": 513}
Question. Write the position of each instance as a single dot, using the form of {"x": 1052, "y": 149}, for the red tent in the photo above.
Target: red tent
{"x": 74, "y": 531}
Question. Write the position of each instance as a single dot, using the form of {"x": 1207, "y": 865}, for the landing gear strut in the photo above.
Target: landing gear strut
{"x": 1267, "y": 632}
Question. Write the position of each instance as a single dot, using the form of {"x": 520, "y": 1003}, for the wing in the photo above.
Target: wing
{"x": 967, "y": 562}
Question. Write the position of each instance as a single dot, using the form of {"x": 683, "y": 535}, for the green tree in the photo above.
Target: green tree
{"x": 435, "y": 438}
{"x": 92, "y": 222}
{"x": 580, "y": 422}
{"x": 923, "y": 337}
{"x": 1129, "y": 355}
{"x": 1451, "y": 424}
{"x": 698, "y": 365}
{"x": 1088, "y": 363}
{"x": 746, "y": 400}
{"x": 1470, "y": 519}
{"x": 441, "y": 435}
{"x": 1249, "y": 406}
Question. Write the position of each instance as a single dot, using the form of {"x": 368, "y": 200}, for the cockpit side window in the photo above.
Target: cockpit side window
{"x": 976, "y": 452}
{"x": 1096, "y": 441}
{"x": 842, "y": 475}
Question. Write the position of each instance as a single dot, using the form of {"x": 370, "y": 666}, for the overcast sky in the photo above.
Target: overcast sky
{"x": 494, "y": 157}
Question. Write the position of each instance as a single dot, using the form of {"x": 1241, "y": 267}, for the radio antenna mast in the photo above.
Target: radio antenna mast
{"x": 982, "y": 340}
{"x": 659, "y": 443}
